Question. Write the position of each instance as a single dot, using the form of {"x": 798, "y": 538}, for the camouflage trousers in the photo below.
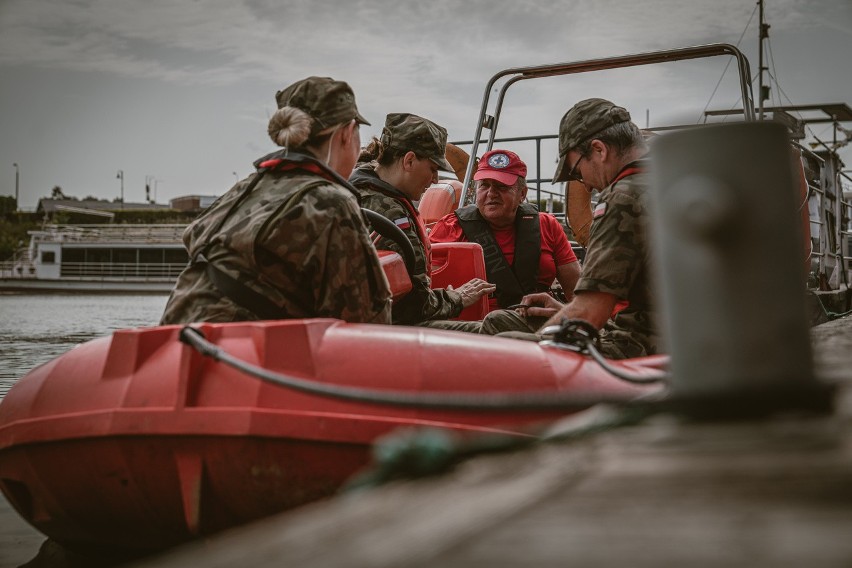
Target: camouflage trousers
{"x": 620, "y": 344}
{"x": 496, "y": 322}
{"x": 510, "y": 321}
{"x": 453, "y": 325}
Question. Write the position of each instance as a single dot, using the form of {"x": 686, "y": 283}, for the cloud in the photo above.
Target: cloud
{"x": 193, "y": 60}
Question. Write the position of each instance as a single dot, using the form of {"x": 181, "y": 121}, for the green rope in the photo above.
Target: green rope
{"x": 411, "y": 453}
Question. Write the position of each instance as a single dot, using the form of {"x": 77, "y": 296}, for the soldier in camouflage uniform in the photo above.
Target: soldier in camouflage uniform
{"x": 395, "y": 171}
{"x": 290, "y": 240}
{"x": 601, "y": 147}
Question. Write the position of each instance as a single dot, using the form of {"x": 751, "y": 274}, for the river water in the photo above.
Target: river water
{"x": 35, "y": 328}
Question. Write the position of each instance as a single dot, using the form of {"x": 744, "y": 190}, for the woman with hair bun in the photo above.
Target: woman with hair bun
{"x": 289, "y": 241}
{"x": 397, "y": 169}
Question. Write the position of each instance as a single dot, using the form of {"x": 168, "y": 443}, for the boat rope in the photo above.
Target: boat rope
{"x": 583, "y": 335}
{"x": 418, "y": 452}
{"x": 462, "y": 400}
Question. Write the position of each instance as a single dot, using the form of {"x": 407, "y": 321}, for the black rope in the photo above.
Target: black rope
{"x": 488, "y": 401}
{"x": 585, "y": 336}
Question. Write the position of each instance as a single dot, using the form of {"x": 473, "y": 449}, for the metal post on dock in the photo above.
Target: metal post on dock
{"x": 731, "y": 282}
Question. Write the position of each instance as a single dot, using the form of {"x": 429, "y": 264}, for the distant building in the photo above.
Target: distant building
{"x": 192, "y": 202}
{"x": 49, "y": 207}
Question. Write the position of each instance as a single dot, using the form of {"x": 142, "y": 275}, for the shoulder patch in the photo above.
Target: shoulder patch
{"x": 402, "y": 222}
{"x": 600, "y": 209}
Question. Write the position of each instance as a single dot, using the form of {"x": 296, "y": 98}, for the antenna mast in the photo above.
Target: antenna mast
{"x": 762, "y": 91}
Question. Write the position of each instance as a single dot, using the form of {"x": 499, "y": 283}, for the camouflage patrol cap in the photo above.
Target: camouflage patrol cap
{"x": 329, "y": 102}
{"x": 581, "y": 123}
{"x": 410, "y": 132}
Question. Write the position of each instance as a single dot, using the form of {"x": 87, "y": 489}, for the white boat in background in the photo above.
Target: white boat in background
{"x": 97, "y": 258}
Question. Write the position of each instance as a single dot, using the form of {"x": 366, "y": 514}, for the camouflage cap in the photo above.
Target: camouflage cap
{"x": 581, "y": 123}
{"x": 406, "y": 132}
{"x": 328, "y": 101}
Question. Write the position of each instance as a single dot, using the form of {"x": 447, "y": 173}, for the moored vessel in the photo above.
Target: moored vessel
{"x": 97, "y": 258}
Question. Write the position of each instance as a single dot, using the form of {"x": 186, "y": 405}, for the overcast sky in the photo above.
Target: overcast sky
{"x": 181, "y": 90}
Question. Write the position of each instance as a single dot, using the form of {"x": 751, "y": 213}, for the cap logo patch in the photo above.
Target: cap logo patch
{"x": 498, "y": 161}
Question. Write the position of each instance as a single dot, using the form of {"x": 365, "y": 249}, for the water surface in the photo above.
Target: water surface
{"x": 35, "y": 328}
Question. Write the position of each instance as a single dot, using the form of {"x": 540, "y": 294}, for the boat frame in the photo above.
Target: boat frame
{"x": 829, "y": 208}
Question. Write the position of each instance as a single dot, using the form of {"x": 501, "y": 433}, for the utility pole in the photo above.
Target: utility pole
{"x": 17, "y": 184}
{"x": 120, "y": 176}
{"x": 762, "y": 91}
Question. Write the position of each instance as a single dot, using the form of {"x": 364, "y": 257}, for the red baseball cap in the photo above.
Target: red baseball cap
{"x": 501, "y": 165}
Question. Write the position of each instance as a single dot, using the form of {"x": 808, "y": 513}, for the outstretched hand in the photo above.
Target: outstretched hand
{"x": 540, "y": 304}
{"x": 472, "y": 291}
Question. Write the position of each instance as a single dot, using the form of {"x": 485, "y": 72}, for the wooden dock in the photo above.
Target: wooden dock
{"x": 667, "y": 491}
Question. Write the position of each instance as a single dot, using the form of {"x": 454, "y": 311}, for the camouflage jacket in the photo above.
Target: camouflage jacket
{"x": 422, "y": 303}
{"x": 617, "y": 258}
{"x": 298, "y": 239}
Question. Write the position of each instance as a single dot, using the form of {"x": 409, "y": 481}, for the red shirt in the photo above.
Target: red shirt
{"x": 555, "y": 248}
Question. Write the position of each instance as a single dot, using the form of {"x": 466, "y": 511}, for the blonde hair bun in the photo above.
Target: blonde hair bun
{"x": 290, "y": 127}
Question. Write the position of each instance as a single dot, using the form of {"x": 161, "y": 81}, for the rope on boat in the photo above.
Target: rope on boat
{"x": 585, "y": 337}
{"x": 418, "y": 452}
{"x": 494, "y": 401}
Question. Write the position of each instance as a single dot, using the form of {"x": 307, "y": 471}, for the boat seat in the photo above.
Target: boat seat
{"x": 439, "y": 199}
{"x": 397, "y": 275}
{"x": 454, "y": 264}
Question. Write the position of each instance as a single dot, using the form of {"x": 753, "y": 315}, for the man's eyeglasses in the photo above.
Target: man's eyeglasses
{"x": 573, "y": 174}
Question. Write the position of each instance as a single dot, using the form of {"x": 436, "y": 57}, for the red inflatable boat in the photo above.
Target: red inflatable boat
{"x": 138, "y": 442}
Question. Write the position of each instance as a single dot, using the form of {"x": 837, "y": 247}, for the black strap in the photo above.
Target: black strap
{"x": 242, "y": 295}
{"x": 235, "y": 290}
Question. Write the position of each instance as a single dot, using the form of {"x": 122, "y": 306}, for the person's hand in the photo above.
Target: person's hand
{"x": 540, "y": 304}
{"x": 472, "y": 291}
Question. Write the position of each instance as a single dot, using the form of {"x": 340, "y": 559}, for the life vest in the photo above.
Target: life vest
{"x": 206, "y": 231}
{"x": 521, "y": 277}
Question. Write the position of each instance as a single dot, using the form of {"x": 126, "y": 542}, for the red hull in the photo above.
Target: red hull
{"x": 136, "y": 442}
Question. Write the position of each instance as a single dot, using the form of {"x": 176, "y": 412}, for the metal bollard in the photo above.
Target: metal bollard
{"x": 728, "y": 262}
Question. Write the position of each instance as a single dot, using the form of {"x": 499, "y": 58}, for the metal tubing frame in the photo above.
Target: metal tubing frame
{"x": 557, "y": 69}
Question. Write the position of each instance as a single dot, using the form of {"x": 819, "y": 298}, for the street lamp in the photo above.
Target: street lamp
{"x": 120, "y": 175}
{"x": 17, "y": 183}
{"x": 148, "y": 180}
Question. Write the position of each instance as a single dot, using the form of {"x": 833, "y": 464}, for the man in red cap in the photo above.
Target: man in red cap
{"x": 524, "y": 250}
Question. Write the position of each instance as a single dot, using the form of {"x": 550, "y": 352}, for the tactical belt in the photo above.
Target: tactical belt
{"x": 242, "y": 295}
{"x": 232, "y": 288}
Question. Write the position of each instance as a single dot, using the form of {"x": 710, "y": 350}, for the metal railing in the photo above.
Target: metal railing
{"x": 535, "y": 181}
{"x": 122, "y": 270}
{"x": 513, "y": 75}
